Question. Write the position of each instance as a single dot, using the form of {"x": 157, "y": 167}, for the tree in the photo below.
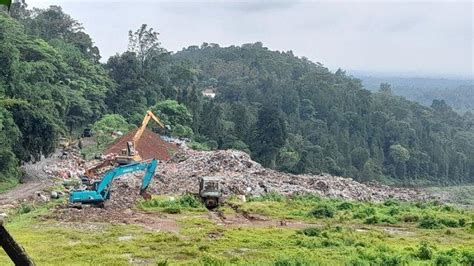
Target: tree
{"x": 359, "y": 157}
{"x": 176, "y": 116}
{"x": 270, "y": 135}
{"x": 144, "y": 43}
{"x": 385, "y": 88}
{"x": 107, "y": 125}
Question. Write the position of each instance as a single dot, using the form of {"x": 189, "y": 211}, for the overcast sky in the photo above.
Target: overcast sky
{"x": 411, "y": 38}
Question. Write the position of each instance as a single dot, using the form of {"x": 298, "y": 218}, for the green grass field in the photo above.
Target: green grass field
{"x": 332, "y": 232}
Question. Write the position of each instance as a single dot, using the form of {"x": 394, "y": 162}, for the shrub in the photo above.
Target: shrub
{"x": 393, "y": 260}
{"x": 421, "y": 205}
{"x": 298, "y": 261}
{"x": 358, "y": 262}
{"x": 424, "y": 252}
{"x": 322, "y": 211}
{"x": 372, "y": 220}
{"x": 345, "y": 206}
{"x": 462, "y": 222}
{"x": 467, "y": 257}
{"x": 444, "y": 260}
{"x": 448, "y": 208}
{"x": 189, "y": 201}
{"x": 272, "y": 196}
{"x": 306, "y": 197}
{"x": 449, "y": 222}
{"x": 410, "y": 218}
{"x": 391, "y": 202}
{"x": 172, "y": 209}
{"x": 311, "y": 231}
{"x": 170, "y": 205}
{"x": 393, "y": 211}
{"x": 162, "y": 263}
{"x": 329, "y": 243}
{"x": 388, "y": 220}
{"x": 364, "y": 213}
{"x": 209, "y": 260}
{"x": 429, "y": 222}
{"x": 25, "y": 208}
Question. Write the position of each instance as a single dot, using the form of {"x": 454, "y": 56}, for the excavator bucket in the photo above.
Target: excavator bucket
{"x": 145, "y": 195}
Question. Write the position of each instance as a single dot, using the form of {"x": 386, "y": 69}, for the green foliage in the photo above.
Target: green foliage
{"x": 50, "y": 83}
{"x": 372, "y": 220}
{"x": 345, "y": 206}
{"x": 298, "y": 261}
{"x": 176, "y": 116}
{"x": 173, "y": 205}
{"x": 424, "y": 252}
{"x": 25, "y": 208}
{"x": 199, "y": 146}
{"x": 444, "y": 260}
{"x": 108, "y": 124}
{"x": 311, "y": 231}
{"x": 368, "y": 136}
{"x": 271, "y": 196}
{"x": 364, "y": 212}
{"x": 429, "y": 222}
{"x": 322, "y": 211}
{"x": 467, "y": 257}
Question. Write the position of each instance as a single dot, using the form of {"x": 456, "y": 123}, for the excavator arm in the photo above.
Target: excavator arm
{"x": 149, "y": 115}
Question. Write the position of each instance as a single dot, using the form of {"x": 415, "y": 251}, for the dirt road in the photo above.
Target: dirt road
{"x": 35, "y": 179}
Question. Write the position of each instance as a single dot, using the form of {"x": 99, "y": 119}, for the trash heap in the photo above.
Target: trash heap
{"x": 240, "y": 175}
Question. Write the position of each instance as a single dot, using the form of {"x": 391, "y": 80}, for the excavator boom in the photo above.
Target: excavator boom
{"x": 149, "y": 115}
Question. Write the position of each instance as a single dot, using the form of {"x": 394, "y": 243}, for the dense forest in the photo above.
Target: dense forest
{"x": 459, "y": 94}
{"x": 289, "y": 113}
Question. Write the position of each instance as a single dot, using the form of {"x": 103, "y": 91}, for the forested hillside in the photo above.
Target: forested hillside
{"x": 49, "y": 84}
{"x": 331, "y": 124}
{"x": 458, "y": 94}
{"x": 289, "y": 113}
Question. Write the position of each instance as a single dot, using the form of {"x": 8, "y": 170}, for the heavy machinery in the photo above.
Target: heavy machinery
{"x": 130, "y": 154}
{"x": 209, "y": 191}
{"x": 92, "y": 171}
{"x": 88, "y": 132}
{"x": 99, "y": 191}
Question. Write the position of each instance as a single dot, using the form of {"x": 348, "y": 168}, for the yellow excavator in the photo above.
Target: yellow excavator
{"x": 130, "y": 154}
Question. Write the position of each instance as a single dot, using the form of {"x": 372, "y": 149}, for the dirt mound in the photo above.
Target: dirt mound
{"x": 150, "y": 146}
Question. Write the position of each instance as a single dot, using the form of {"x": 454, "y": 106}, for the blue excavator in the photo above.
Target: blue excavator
{"x": 98, "y": 192}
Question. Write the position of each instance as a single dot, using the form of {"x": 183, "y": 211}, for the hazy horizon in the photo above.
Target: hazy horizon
{"x": 421, "y": 39}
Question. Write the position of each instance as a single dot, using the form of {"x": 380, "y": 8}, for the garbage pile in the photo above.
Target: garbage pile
{"x": 240, "y": 175}
{"x": 70, "y": 167}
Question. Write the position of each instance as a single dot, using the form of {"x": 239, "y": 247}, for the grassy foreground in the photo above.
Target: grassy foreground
{"x": 334, "y": 232}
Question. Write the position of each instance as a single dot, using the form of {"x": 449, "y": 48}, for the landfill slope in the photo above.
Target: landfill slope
{"x": 242, "y": 176}
{"x": 239, "y": 174}
{"x": 150, "y": 146}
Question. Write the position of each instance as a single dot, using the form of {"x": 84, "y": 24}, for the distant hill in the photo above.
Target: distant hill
{"x": 457, "y": 93}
